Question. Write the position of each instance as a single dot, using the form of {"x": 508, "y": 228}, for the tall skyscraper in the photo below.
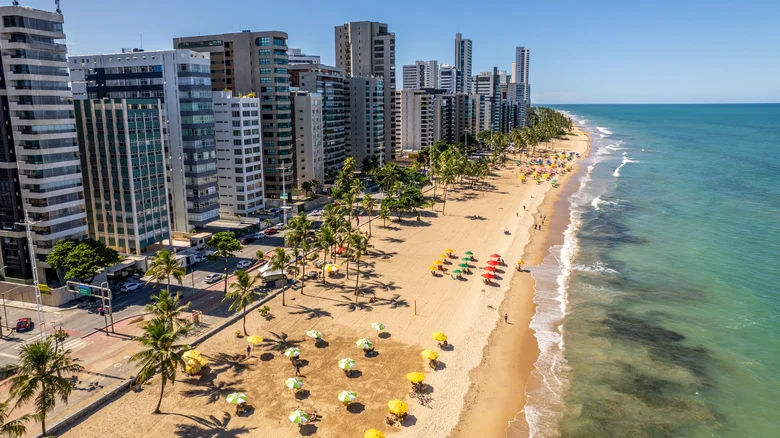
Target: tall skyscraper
{"x": 257, "y": 62}
{"x": 308, "y": 125}
{"x": 447, "y": 78}
{"x": 40, "y": 176}
{"x": 366, "y": 49}
{"x": 239, "y": 154}
{"x": 422, "y": 74}
{"x": 180, "y": 78}
{"x": 463, "y": 64}
{"x": 520, "y": 87}
{"x": 417, "y": 117}
{"x": 366, "y": 119}
{"x": 495, "y": 102}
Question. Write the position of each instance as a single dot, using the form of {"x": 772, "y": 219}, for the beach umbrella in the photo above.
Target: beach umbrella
{"x": 520, "y": 262}
{"x": 488, "y": 276}
{"x": 492, "y": 262}
{"x": 438, "y": 262}
{"x": 236, "y": 398}
{"x": 489, "y": 268}
{"x": 364, "y": 343}
{"x": 439, "y": 336}
{"x": 189, "y": 354}
{"x": 442, "y": 256}
{"x": 378, "y": 326}
{"x": 463, "y": 265}
{"x": 415, "y": 377}
{"x": 293, "y": 383}
{"x": 449, "y": 250}
{"x": 457, "y": 271}
{"x": 346, "y": 364}
{"x": 314, "y": 334}
{"x": 192, "y": 367}
{"x": 292, "y": 352}
{"x": 254, "y": 340}
{"x": 495, "y": 256}
{"x": 347, "y": 396}
{"x": 433, "y": 268}
{"x": 299, "y": 417}
{"x": 429, "y": 354}
{"x": 468, "y": 253}
{"x": 466, "y": 259}
{"x": 373, "y": 433}
{"x": 397, "y": 407}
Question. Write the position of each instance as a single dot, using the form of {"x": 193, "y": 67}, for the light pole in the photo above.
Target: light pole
{"x": 27, "y": 224}
{"x": 284, "y": 195}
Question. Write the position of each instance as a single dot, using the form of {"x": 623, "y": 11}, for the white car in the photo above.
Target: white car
{"x": 244, "y": 264}
{"x": 213, "y": 278}
{"x": 130, "y": 286}
{"x": 258, "y": 236}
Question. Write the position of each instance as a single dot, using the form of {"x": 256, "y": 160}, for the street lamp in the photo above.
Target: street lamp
{"x": 27, "y": 224}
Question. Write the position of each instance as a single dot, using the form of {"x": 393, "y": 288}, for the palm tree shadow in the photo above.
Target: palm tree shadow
{"x": 311, "y": 312}
{"x": 208, "y": 428}
{"x": 351, "y": 306}
{"x": 279, "y": 342}
{"x": 394, "y": 303}
{"x": 225, "y": 361}
{"x": 210, "y": 390}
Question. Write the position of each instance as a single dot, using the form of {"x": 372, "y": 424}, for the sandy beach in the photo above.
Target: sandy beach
{"x": 470, "y": 384}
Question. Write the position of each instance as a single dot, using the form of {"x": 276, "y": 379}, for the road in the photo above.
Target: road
{"x": 80, "y": 322}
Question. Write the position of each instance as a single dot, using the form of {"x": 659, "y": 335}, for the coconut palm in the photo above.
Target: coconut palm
{"x": 358, "y": 247}
{"x": 307, "y": 187}
{"x": 166, "y": 306}
{"x": 41, "y": 375}
{"x": 384, "y": 212}
{"x": 368, "y": 205}
{"x": 14, "y": 428}
{"x": 326, "y": 238}
{"x": 242, "y": 292}
{"x": 161, "y": 351}
{"x": 278, "y": 261}
{"x": 225, "y": 246}
{"x": 165, "y": 266}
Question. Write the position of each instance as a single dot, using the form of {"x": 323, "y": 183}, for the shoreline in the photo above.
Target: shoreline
{"x": 512, "y": 349}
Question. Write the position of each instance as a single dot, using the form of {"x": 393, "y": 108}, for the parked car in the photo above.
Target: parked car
{"x": 198, "y": 258}
{"x": 258, "y": 235}
{"x": 130, "y": 286}
{"x": 24, "y": 324}
{"x": 247, "y": 239}
{"x": 244, "y": 264}
{"x": 270, "y": 231}
{"x": 213, "y": 278}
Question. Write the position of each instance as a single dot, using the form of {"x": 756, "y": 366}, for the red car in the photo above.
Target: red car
{"x": 270, "y": 231}
{"x": 24, "y": 324}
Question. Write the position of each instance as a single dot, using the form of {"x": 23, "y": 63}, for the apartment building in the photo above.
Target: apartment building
{"x": 418, "y": 119}
{"x": 447, "y": 78}
{"x": 365, "y": 134}
{"x": 296, "y": 56}
{"x": 520, "y": 86}
{"x": 463, "y": 63}
{"x": 420, "y": 75}
{"x": 309, "y": 129}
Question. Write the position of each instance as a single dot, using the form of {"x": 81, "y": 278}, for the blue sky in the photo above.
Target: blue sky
{"x": 581, "y": 51}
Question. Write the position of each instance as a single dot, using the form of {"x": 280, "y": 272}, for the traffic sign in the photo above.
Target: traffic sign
{"x": 85, "y": 290}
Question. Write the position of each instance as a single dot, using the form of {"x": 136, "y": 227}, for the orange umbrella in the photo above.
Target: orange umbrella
{"x": 489, "y": 268}
{"x": 490, "y": 276}
{"x": 492, "y": 262}
{"x": 495, "y": 256}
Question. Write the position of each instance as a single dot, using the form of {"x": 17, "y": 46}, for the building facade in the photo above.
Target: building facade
{"x": 520, "y": 85}
{"x": 366, "y": 49}
{"x": 239, "y": 155}
{"x": 365, "y": 134}
{"x": 295, "y": 57}
{"x": 122, "y": 147}
{"x": 447, "y": 78}
{"x": 40, "y": 168}
{"x": 328, "y": 82}
{"x": 418, "y": 122}
{"x": 257, "y": 62}
{"x": 308, "y": 125}
{"x": 180, "y": 78}
{"x": 463, "y": 54}
{"x": 420, "y": 75}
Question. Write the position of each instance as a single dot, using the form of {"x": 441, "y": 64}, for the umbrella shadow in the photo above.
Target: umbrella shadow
{"x": 303, "y": 394}
{"x": 356, "y": 408}
{"x": 321, "y": 343}
{"x": 266, "y": 357}
{"x": 440, "y": 366}
{"x": 384, "y": 335}
{"x": 209, "y": 389}
{"x": 355, "y": 374}
{"x": 409, "y": 421}
{"x": 308, "y": 429}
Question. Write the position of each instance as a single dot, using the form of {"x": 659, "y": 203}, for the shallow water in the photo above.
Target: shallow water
{"x": 666, "y": 283}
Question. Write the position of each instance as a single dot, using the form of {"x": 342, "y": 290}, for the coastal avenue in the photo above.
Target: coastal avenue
{"x": 80, "y": 322}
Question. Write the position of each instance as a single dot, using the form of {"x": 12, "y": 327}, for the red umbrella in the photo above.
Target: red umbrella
{"x": 492, "y": 262}
{"x": 495, "y": 256}
{"x": 340, "y": 249}
{"x": 491, "y": 276}
{"x": 489, "y": 268}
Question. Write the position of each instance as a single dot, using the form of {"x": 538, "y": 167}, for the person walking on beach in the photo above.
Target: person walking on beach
{"x": 248, "y": 351}
{"x": 298, "y": 368}
{"x": 506, "y": 318}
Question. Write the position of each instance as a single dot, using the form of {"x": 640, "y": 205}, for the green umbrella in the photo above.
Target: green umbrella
{"x": 457, "y": 271}
{"x": 364, "y": 343}
{"x": 292, "y": 352}
{"x": 464, "y": 265}
{"x": 314, "y": 334}
{"x": 236, "y": 398}
{"x": 299, "y": 417}
{"x": 347, "y": 396}
{"x": 378, "y": 326}
{"x": 346, "y": 364}
{"x": 466, "y": 259}
{"x": 468, "y": 253}
{"x": 294, "y": 383}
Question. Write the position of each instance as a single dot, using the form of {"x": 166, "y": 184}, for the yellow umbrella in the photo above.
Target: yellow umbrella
{"x": 190, "y": 354}
{"x": 193, "y": 366}
{"x": 438, "y": 262}
{"x": 254, "y": 340}
{"x": 439, "y": 336}
{"x": 373, "y": 433}
{"x": 397, "y": 407}
{"x": 415, "y": 377}
{"x": 442, "y": 256}
{"x": 433, "y": 268}
{"x": 430, "y": 355}
{"x": 449, "y": 250}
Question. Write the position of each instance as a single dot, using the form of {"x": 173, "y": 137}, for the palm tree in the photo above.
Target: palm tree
{"x": 225, "y": 246}
{"x": 267, "y": 223}
{"x": 14, "y": 428}
{"x": 368, "y": 204}
{"x": 384, "y": 212}
{"x": 165, "y": 266}
{"x": 242, "y": 292}
{"x": 260, "y": 255}
{"x": 358, "y": 247}
{"x": 161, "y": 351}
{"x": 326, "y": 238}
{"x": 166, "y": 306}
{"x": 40, "y": 375}
{"x": 315, "y": 185}
{"x": 307, "y": 187}
{"x": 279, "y": 260}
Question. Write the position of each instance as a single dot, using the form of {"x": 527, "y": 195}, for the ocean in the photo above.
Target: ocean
{"x": 659, "y": 315}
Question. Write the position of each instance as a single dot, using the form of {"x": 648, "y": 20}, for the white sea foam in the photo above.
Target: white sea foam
{"x": 625, "y": 161}
{"x": 599, "y": 267}
{"x": 604, "y": 130}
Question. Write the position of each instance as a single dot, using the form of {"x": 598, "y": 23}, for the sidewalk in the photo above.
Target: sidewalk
{"x": 33, "y": 306}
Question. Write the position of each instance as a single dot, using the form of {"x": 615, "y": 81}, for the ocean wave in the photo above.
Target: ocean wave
{"x": 625, "y": 161}
{"x": 599, "y": 267}
{"x": 604, "y": 130}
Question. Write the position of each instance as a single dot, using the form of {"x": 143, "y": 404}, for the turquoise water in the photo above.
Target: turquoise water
{"x": 667, "y": 285}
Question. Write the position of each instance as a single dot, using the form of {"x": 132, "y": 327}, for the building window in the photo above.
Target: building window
{"x": 263, "y": 41}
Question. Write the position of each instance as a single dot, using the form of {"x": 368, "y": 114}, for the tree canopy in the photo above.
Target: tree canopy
{"x": 81, "y": 259}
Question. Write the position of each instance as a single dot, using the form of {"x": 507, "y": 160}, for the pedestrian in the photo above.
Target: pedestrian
{"x": 248, "y": 351}
{"x": 298, "y": 368}
{"x": 506, "y": 318}
{"x": 524, "y": 208}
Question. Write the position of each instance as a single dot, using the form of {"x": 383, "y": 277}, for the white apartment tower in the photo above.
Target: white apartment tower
{"x": 422, "y": 74}
{"x": 447, "y": 78}
{"x": 239, "y": 155}
{"x": 366, "y": 49}
{"x": 365, "y": 133}
{"x": 296, "y": 57}
{"x": 520, "y": 86}
{"x": 463, "y": 64}
{"x": 309, "y": 132}
{"x": 417, "y": 122}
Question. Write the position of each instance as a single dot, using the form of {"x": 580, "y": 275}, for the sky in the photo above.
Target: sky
{"x": 660, "y": 51}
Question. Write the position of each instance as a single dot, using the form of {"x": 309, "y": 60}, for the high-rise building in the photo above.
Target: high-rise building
{"x": 40, "y": 175}
{"x": 308, "y": 126}
{"x": 422, "y": 74}
{"x": 295, "y": 56}
{"x": 366, "y": 119}
{"x": 180, "y": 78}
{"x": 239, "y": 154}
{"x": 257, "y": 62}
{"x": 463, "y": 64}
{"x": 495, "y": 102}
{"x": 417, "y": 119}
{"x": 328, "y": 82}
{"x": 483, "y": 83}
{"x": 461, "y": 114}
{"x": 447, "y": 78}
{"x": 123, "y": 164}
{"x": 366, "y": 49}
{"x": 520, "y": 87}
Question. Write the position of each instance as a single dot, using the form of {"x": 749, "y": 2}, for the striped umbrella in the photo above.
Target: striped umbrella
{"x": 236, "y": 398}
{"x": 314, "y": 334}
{"x": 299, "y": 417}
{"x": 294, "y": 383}
{"x": 292, "y": 352}
{"x": 378, "y": 326}
{"x": 364, "y": 343}
{"x": 346, "y": 364}
{"x": 347, "y": 396}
